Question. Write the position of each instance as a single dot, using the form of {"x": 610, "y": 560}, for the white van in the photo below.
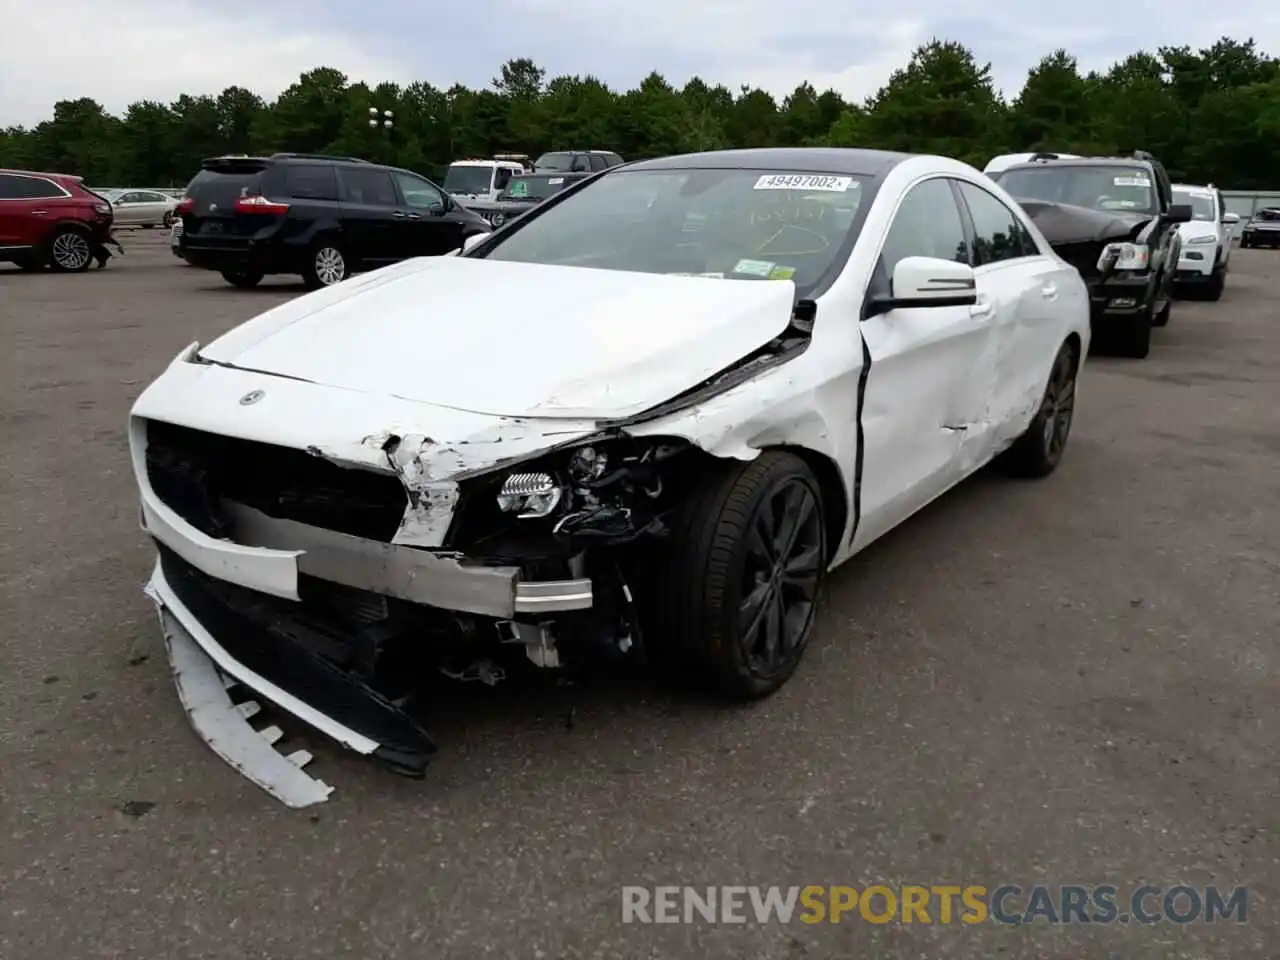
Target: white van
{"x": 1004, "y": 162}
{"x": 483, "y": 179}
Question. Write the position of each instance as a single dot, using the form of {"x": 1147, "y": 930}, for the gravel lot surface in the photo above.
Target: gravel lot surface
{"x": 1072, "y": 681}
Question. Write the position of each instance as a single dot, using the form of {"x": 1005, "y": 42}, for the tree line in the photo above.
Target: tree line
{"x": 1211, "y": 115}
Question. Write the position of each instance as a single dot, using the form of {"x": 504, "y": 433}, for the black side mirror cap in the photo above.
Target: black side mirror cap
{"x": 1178, "y": 213}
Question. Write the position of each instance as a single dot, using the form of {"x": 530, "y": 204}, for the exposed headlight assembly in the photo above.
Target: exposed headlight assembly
{"x": 530, "y": 495}
{"x": 498, "y": 219}
{"x": 1125, "y": 256}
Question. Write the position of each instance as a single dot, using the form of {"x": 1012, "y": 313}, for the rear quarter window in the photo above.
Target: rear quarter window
{"x": 302, "y": 182}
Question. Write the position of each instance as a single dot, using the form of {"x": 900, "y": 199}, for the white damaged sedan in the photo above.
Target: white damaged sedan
{"x": 644, "y": 420}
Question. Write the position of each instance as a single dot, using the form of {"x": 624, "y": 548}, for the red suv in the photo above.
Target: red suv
{"x": 50, "y": 218}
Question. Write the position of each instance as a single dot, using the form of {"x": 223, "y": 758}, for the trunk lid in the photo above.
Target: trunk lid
{"x": 213, "y": 194}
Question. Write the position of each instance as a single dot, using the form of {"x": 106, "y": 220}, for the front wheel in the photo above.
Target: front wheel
{"x": 742, "y": 582}
{"x": 1133, "y": 336}
{"x": 1039, "y": 450}
{"x": 243, "y": 279}
{"x": 1217, "y": 283}
{"x": 326, "y": 267}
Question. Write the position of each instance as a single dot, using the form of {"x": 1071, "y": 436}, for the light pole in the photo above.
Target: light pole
{"x": 382, "y": 120}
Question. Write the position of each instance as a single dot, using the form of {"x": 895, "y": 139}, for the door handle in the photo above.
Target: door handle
{"x": 982, "y": 309}
{"x": 1049, "y": 291}
{"x": 38, "y": 213}
{"x": 414, "y": 216}
{"x": 400, "y": 215}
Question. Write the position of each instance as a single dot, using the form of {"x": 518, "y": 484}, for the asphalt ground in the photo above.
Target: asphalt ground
{"x": 1070, "y": 681}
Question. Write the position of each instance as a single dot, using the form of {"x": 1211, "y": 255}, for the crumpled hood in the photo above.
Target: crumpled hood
{"x": 513, "y": 339}
{"x": 1063, "y": 223}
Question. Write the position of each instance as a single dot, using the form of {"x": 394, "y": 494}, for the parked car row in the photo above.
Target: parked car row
{"x": 1137, "y": 238}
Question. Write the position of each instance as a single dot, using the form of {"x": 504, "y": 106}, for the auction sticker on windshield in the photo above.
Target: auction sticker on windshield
{"x": 803, "y": 181}
{"x": 1131, "y": 182}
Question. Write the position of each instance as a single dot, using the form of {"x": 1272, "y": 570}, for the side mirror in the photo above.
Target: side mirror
{"x": 1178, "y": 213}
{"x": 1231, "y": 218}
{"x": 473, "y": 240}
{"x": 931, "y": 282}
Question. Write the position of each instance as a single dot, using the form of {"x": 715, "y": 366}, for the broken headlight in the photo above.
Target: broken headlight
{"x": 530, "y": 495}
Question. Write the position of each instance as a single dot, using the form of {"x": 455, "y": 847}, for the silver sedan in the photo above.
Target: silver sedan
{"x": 143, "y": 208}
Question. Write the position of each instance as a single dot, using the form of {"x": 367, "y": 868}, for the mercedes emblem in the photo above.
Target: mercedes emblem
{"x": 253, "y": 396}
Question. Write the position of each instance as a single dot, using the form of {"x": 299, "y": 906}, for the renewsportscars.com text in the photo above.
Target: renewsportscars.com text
{"x": 935, "y": 904}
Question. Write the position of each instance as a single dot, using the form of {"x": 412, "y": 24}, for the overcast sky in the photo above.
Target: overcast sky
{"x": 119, "y": 51}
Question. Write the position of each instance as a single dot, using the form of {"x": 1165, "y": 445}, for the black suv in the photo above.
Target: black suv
{"x": 319, "y": 216}
{"x": 576, "y": 161}
{"x": 524, "y": 192}
{"x": 1114, "y": 220}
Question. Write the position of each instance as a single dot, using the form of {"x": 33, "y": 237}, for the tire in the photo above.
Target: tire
{"x": 714, "y": 564}
{"x": 326, "y": 266}
{"x": 243, "y": 279}
{"x": 1161, "y": 319}
{"x": 1039, "y": 450}
{"x": 1217, "y": 283}
{"x": 70, "y": 250}
{"x": 1133, "y": 339}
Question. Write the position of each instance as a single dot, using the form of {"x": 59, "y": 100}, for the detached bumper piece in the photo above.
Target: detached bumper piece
{"x": 256, "y": 639}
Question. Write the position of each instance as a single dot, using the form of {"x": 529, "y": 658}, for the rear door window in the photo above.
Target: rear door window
{"x": 28, "y": 188}
{"x": 370, "y": 186}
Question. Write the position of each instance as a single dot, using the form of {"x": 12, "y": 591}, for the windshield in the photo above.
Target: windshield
{"x": 532, "y": 188}
{"x": 556, "y": 161}
{"x": 1201, "y": 203}
{"x": 734, "y": 224}
{"x": 468, "y": 179}
{"x": 1120, "y": 188}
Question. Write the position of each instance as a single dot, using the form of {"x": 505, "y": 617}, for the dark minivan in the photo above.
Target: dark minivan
{"x": 319, "y": 216}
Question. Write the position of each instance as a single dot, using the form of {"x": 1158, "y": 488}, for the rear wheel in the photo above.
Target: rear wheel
{"x": 742, "y": 580}
{"x": 1039, "y": 450}
{"x": 70, "y": 251}
{"x": 327, "y": 266}
{"x": 244, "y": 279}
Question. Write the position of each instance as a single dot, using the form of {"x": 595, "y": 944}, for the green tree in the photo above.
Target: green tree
{"x": 941, "y": 102}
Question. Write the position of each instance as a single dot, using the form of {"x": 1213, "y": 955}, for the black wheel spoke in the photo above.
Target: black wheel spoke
{"x": 781, "y": 577}
{"x": 754, "y": 607}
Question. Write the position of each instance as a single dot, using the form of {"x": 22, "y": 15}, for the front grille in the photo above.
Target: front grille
{"x": 193, "y": 471}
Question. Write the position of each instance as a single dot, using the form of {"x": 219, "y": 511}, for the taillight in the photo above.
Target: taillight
{"x": 260, "y": 204}
{"x": 185, "y": 205}
{"x": 102, "y": 209}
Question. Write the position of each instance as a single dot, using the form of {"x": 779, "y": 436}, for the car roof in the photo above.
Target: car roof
{"x": 1207, "y": 187}
{"x": 63, "y": 178}
{"x": 858, "y": 163}
{"x": 1081, "y": 162}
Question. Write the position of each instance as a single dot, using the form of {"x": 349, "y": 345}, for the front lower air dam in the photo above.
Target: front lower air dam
{"x": 214, "y": 659}
{"x": 224, "y": 725}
